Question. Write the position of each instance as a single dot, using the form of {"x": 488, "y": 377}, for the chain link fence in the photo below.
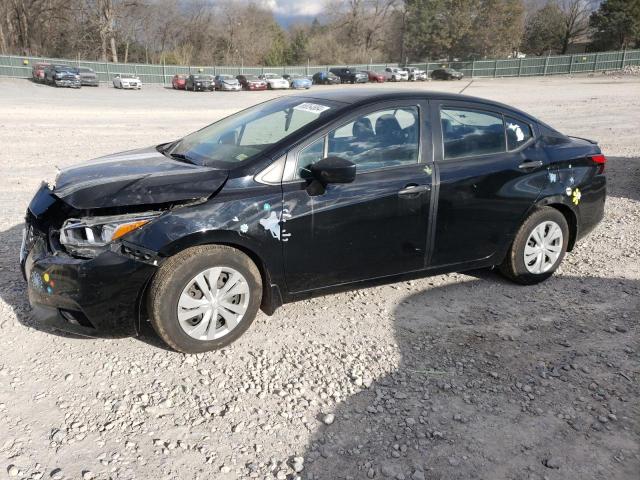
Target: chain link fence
{"x": 20, "y": 66}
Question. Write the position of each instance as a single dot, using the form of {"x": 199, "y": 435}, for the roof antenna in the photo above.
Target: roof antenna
{"x": 467, "y": 86}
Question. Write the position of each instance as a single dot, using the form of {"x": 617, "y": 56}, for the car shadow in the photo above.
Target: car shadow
{"x": 496, "y": 380}
{"x": 13, "y": 290}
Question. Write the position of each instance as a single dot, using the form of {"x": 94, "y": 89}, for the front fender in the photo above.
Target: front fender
{"x": 243, "y": 215}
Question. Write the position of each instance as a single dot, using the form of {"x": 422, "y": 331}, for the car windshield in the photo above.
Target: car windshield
{"x": 272, "y": 76}
{"x": 245, "y": 135}
{"x": 85, "y": 70}
{"x": 225, "y": 77}
{"x": 251, "y": 78}
{"x": 202, "y": 77}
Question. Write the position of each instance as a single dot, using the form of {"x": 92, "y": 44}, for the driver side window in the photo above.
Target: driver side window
{"x": 381, "y": 139}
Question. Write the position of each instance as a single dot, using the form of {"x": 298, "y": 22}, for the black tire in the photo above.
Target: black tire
{"x": 176, "y": 273}
{"x": 513, "y": 267}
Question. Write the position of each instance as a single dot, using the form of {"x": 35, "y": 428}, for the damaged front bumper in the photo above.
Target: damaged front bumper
{"x": 97, "y": 297}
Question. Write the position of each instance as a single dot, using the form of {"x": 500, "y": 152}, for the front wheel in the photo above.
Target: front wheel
{"x": 204, "y": 298}
{"x": 538, "y": 248}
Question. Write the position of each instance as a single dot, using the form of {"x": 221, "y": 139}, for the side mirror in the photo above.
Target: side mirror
{"x": 333, "y": 170}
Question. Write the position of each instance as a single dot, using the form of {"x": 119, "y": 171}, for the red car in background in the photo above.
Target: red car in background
{"x": 251, "y": 82}
{"x": 375, "y": 76}
{"x": 37, "y": 72}
{"x": 179, "y": 81}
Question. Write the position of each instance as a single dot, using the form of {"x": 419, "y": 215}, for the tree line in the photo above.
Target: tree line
{"x": 347, "y": 31}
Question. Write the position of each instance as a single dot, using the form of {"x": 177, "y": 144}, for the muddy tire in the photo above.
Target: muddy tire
{"x": 204, "y": 298}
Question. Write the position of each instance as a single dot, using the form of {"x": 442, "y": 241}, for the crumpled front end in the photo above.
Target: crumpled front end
{"x": 98, "y": 296}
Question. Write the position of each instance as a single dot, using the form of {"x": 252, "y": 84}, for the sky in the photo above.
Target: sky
{"x": 294, "y": 8}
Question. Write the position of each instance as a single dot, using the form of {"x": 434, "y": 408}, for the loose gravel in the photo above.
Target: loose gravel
{"x": 461, "y": 376}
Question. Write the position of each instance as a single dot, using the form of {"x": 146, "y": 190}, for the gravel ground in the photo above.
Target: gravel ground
{"x": 458, "y": 376}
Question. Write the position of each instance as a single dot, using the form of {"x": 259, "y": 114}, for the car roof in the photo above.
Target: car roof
{"x": 370, "y": 95}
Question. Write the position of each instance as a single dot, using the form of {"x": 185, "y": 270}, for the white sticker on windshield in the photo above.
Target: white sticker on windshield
{"x": 311, "y": 107}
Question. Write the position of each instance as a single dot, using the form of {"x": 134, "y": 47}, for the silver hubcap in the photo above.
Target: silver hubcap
{"x": 213, "y": 303}
{"x": 543, "y": 247}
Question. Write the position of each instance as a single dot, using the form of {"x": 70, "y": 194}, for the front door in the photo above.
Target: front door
{"x": 490, "y": 174}
{"x": 373, "y": 227}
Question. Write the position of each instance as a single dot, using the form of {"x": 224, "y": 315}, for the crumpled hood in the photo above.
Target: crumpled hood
{"x": 135, "y": 177}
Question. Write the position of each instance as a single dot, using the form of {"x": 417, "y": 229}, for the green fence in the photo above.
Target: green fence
{"x": 20, "y": 67}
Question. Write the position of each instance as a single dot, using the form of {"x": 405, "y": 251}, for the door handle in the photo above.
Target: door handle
{"x": 414, "y": 189}
{"x": 529, "y": 164}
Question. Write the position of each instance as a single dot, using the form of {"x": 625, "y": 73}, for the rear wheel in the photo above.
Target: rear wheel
{"x": 204, "y": 298}
{"x": 538, "y": 248}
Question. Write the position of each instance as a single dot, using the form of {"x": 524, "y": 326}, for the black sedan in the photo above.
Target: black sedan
{"x": 446, "y": 74}
{"x": 200, "y": 83}
{"x": 300, "y": 196}
{"x": 325, "y": 78}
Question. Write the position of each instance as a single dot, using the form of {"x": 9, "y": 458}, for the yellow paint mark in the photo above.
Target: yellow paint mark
{"x": 576, "y": 196}
{"x": 46, "y": 277}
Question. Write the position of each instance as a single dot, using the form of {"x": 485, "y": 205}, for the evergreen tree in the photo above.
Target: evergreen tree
{"x": 616, "y": 25}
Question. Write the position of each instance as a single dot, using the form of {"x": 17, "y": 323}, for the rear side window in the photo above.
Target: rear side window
{"x": 471, "y": 132}
{"x": 518, "y": 133}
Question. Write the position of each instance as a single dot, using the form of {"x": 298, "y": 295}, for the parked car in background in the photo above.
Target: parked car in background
{"x": 395, "y": 74}
{"x": 446, "y": 74}
{"x": 415, "y": 74}
{"x": 200, "y": 233}
{"x": 62, "y": 76}
{"x": 251, "y": 82}
{"x": 179, "y": 81}
{"x": 375, "y": 77}
{"x": 298, "y": 81}
{"x": 38, "y": 70}
{"x": 348, "y": 75}
{"x": 227, "y": 83}
{"x": 325, "y": 78}
{"x": 200, "y": 83}
{"x": 274, "y": 81}
{"x": 126, "y": 81}
{"x": 88, "y": 77}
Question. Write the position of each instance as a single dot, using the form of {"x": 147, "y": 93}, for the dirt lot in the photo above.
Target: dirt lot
{"x": 458, "y": 376}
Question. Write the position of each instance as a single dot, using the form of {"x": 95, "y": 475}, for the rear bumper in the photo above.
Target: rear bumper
{"x": 90, "y": 82}
{"x": 99, "y": 297}
{"x": 590, "y": 210}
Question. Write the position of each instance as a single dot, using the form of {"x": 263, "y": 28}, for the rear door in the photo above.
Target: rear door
{"x": 490, "y": 173}
{"x": 373, "y": 227}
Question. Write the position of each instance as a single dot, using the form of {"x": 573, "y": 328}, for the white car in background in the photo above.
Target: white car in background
{"x": 393, "y": 74}
{"x": 274, "y": 81}
{"x": 416, "y": 74}
{"x": 124, "y": 80}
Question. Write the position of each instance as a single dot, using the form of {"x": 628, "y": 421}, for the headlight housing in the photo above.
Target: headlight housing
{"x": 87, "y": 237}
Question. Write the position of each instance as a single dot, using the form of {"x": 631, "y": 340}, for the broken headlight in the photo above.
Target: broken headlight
{"x": 86, "y": 237}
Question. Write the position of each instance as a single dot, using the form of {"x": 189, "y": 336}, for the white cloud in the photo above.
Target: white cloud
{"x": 291, "y": 8}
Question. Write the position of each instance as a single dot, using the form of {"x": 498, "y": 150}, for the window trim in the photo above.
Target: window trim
{"x": 290, "y": 174}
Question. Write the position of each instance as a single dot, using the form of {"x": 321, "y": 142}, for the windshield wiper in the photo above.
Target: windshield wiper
{"x": 180, "y": 156}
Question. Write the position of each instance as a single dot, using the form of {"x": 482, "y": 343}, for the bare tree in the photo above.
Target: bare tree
{"x": 576, "y": 20}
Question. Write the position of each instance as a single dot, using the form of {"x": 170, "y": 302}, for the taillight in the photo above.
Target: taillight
{"x": 600, "y": 160}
